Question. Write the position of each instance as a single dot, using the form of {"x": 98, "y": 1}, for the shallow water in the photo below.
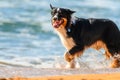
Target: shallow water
{"x": 28, "y": 39}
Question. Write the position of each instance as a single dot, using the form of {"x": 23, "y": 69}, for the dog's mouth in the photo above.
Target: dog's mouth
{"x": 57, "y": 23}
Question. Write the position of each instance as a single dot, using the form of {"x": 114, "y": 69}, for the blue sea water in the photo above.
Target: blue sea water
{"x": 27, "y": 38}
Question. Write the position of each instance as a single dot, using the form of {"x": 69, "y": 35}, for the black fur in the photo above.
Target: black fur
{"x": 85, "y": 32}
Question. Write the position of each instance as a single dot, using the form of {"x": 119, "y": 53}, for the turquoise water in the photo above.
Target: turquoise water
{"x": 28, "y": 39}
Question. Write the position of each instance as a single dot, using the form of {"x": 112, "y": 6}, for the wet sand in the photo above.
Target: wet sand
{"x": 25, "y": 73}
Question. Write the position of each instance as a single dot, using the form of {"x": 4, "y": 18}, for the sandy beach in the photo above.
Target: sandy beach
{"x": 114, "y": 76}
{"x": 25, "y": 73}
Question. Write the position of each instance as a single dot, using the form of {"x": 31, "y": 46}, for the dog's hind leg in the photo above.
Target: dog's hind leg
{"x": 100, "y": 44}
{"x": 116, "y": 61}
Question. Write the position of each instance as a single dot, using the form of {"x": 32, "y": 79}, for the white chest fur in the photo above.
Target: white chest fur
{"x": 67, "y": 42}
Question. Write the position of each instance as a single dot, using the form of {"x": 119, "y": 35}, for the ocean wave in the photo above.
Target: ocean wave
{"x": 23, "y": 27}
{"x": 27, "y": 38}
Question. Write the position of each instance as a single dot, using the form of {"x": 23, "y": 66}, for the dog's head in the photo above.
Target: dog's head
{"x": 60, "y": 16}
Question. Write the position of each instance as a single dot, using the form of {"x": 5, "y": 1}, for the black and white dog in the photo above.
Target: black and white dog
{"x": 78, "y": 34}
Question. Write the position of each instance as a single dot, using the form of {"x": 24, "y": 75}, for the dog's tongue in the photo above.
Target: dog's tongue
{"x": 56, "y": 24}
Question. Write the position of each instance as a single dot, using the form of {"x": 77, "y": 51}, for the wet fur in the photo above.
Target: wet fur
{"x": 86, "y": 33}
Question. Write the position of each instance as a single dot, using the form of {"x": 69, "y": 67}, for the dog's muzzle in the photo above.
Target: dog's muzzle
{"x": 57, "y": 22}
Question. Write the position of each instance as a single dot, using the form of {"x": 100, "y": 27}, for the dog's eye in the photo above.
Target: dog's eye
{"x": 60, "y": 14}
{"x": 53, "y": 12}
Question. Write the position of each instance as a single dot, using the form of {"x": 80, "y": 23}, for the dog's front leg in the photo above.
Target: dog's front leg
{"x": 70, "y": 60}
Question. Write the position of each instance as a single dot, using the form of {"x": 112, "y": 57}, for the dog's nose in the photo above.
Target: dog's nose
{"x": 55, "y": 18}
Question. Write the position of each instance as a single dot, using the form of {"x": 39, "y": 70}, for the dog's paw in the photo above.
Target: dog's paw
{"x": 68, "y": 57}
{"x": 115, "y": 63}
{"x": 70, "y": 64}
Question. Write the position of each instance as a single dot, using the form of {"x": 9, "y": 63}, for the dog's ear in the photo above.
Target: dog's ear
{"x": 51, "y": 6}
{"x": 71, "y": 11}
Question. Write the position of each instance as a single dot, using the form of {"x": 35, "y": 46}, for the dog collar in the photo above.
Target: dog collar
{"x": 73, "y": 22}
{"x": 68, "y": 30}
